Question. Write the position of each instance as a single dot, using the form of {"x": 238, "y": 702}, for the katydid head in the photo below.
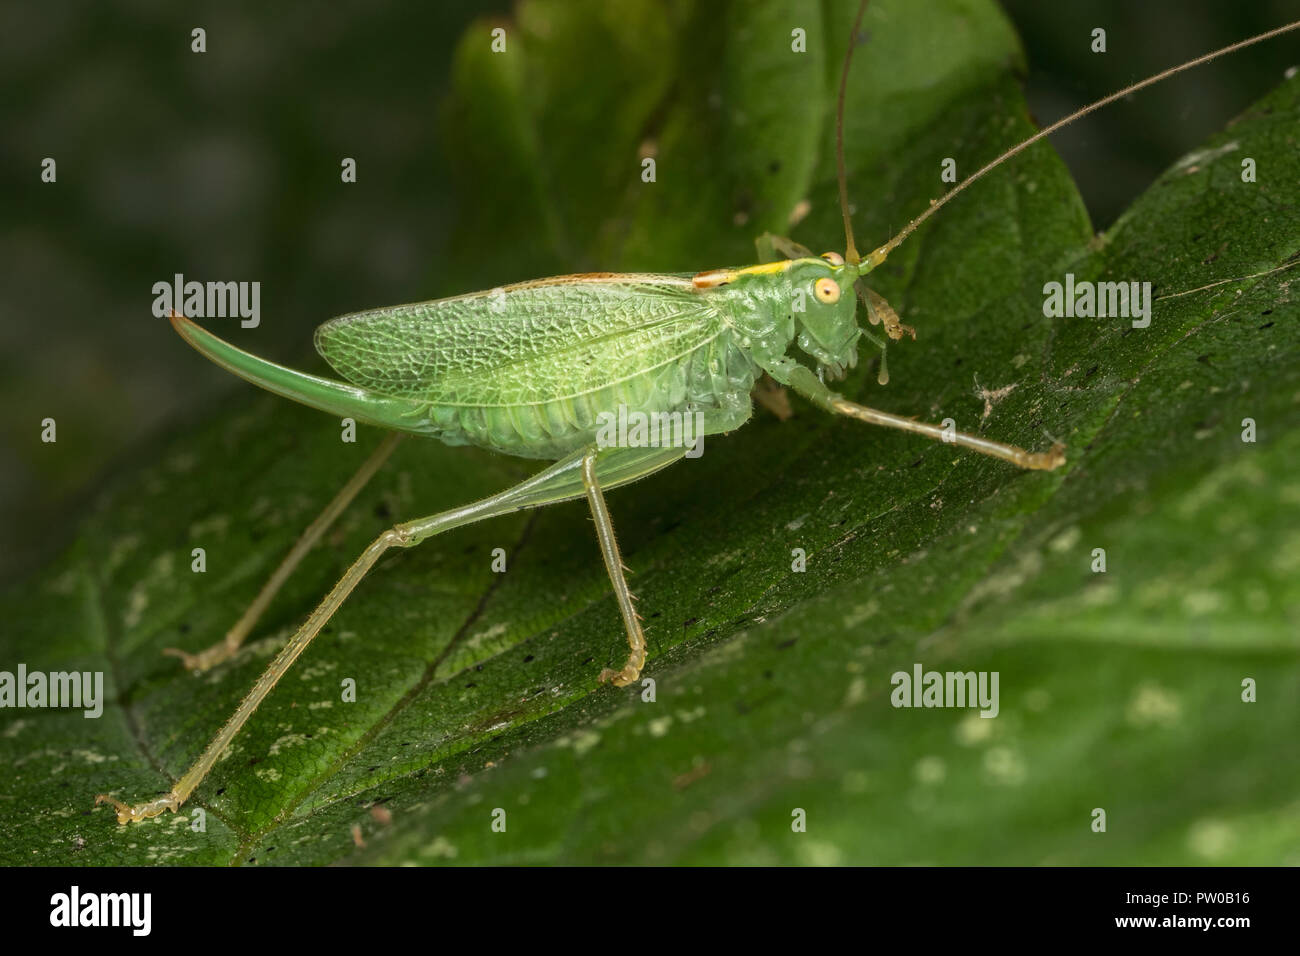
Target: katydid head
{"x": 825, "y": 312}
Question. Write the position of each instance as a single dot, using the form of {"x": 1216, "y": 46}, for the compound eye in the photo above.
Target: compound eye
{"x": 827, "y": 291}
{"x": 834, "y": 258}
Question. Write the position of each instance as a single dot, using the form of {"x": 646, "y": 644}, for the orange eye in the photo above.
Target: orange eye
{"x": 827, "y": 291}
{"x": 834, "y": 258}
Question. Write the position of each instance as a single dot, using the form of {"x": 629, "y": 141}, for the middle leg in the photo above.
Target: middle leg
{"x": 614, "y": 566}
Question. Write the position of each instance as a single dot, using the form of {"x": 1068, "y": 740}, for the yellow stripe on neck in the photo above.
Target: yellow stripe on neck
{"x": 717, "y": 277}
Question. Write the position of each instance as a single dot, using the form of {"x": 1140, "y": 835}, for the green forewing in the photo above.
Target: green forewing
{"x": 523, "y": 344}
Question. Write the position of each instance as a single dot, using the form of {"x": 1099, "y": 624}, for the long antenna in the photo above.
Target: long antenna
{"x": 851, "y": 254}
{"x": 878, "y": 256}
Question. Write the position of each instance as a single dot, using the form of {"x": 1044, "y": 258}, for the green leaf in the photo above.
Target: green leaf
{"x": 477, "y": 691}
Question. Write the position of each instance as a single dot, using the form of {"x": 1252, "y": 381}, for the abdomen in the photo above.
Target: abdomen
{"x": 716, "y": 375}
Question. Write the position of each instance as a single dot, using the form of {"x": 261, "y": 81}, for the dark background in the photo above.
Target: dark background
{"x": 227, "y": 164}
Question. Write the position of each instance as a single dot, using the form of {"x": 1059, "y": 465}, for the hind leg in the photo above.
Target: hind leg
{"x": 225, "y": 648}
